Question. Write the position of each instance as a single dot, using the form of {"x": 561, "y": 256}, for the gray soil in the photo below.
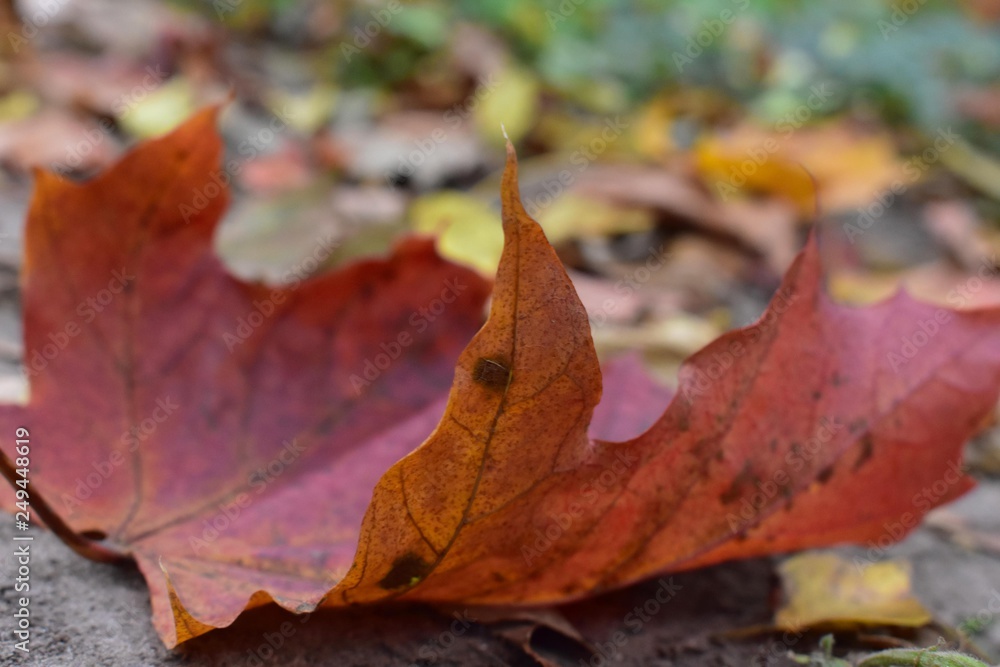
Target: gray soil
{"x": 85, "y": 613}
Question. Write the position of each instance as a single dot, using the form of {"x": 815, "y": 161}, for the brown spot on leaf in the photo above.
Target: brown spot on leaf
{"x": 825, "y": 474}
{"x": 492, "y": 373}
{"x": 407, "y": 570}
{"x": 683, "y": 424}
{"x": 739, "y": 486}
{"x": 867, "y": 449}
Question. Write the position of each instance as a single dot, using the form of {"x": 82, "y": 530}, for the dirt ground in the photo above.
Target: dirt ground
{"x": 86, "y": 613}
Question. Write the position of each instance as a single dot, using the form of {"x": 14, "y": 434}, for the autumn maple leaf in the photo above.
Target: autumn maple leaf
{"x": 800, "y": 430}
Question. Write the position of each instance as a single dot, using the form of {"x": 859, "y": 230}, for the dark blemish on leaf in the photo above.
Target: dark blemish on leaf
{"x": 858, "y": 426}
{"x": 407, "y": 570}
{"x": 682, "y": 423}
{"x": 326, "y": 425}
{"x": 739, "y": 485}
{"x": 817, "y": 395}
{"x": 836, "y": 380}
{"x": 773, "y": 445}
{"x": 491, "y": 373}
{"x": 867, "y": 448}
{"x": 825, "y": 474}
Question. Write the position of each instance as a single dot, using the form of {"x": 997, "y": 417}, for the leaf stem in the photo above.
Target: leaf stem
{"x": 82, "y": 545}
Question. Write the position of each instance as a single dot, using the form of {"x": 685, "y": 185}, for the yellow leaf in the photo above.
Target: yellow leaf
{"x": 513, "y": 102}
{"x": 849, "y": 168}
{"x": 161, "y": 110}
{"x": 466, "y": 227}
{"x": 571, "y": 217}
{"x": 826, "y": 589}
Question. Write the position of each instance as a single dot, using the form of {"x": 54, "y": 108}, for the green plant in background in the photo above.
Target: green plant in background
{"x": 974, "y": 625}
{"x": 921, "y": 657}
{"x": 902, "y": 60}
{"x": 928, "y": 657}
{"x": 823, "y": 657}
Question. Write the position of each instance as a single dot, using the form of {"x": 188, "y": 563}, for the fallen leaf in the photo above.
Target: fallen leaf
{"x": 163, "y": 109}
{"x": 510, "y": 98}
{"x": 955, "y": 225}
{"x": 767, "y": 227}
{"x": 773, "y": 427}
{"x": 57, "y": 141}
{"x": 824, "y": 589}
{"x": 572, "y": 217}
{"x": 210, "y": 427}
{"x": 818, "y": 424}
{"x": 977, "y": 168}
{"x": 465, "y": 227}
{"x": 848, "y": 167}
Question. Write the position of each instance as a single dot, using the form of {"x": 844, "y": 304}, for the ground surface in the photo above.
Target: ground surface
{"x": 87, "y": 613}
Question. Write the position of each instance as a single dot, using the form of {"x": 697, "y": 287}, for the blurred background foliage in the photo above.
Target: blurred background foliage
{"x": 902, "y": 61}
